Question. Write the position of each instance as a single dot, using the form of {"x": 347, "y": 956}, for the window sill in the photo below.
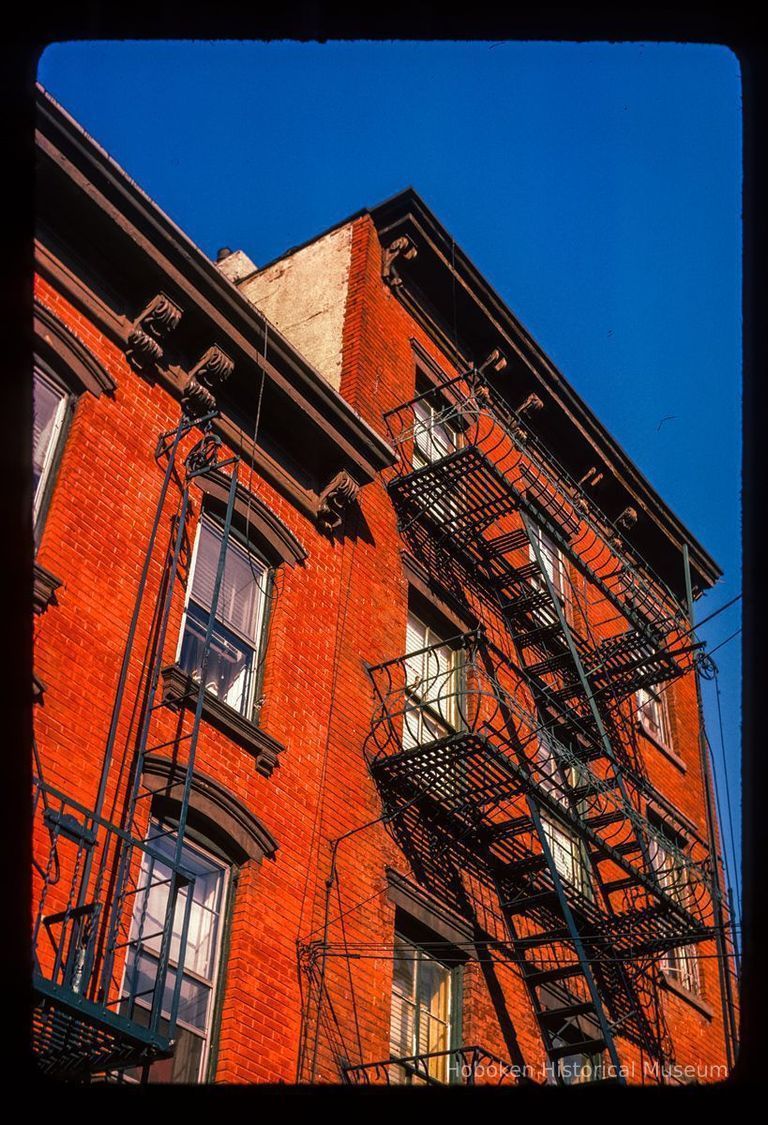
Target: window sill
{"x": 44, "y": 587}
{"x": 691, "y": 998}
{"x": 667, "y": 751}
{"x": 180, "y": 690}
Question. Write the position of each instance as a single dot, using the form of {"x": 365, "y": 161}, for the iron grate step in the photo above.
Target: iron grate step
{"x": 582, "y": 1047}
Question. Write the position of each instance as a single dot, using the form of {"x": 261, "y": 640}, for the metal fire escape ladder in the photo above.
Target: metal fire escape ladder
{"x": 569, "y": 1008}
{"x": 572, "y": 1007}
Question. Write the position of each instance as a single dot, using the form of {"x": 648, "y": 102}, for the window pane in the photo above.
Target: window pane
{"x": 402, "y": 1024}
{"x": 152, "y": 904}
{"x": 243, "y": 582}
{"x": 230, "y": 662}
{"x": 48, "y": 405}
{"x": 193, "y": 999}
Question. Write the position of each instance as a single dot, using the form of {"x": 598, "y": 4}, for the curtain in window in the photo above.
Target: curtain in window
{"x": 243, "y": 584}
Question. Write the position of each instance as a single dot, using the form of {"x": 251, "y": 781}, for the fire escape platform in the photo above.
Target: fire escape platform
{"x": 74, "y": 1037}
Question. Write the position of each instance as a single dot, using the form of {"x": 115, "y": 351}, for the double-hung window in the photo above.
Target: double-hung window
{"x": 553, "y": 562}
{"x": 424, "y": 1000}
{"x": 234, "y": 656}
{"x": 569, "y": 855}
{"x": 653, "y": 714}
{"x": 433, "y": 438}
{"x": 50, "y": 402}
{"x": 680, "y": 964}
{"x": 431, "y": 685}
{"x": 198, "y": 963}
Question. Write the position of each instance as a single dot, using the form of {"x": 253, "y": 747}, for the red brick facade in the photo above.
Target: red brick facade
{"x": 286, "y": 1012}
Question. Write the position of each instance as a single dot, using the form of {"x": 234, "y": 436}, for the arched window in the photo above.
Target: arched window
{"x": 222, "y": 833}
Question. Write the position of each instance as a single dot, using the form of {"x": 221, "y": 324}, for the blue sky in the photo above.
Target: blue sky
{"x": 596, "y": 186}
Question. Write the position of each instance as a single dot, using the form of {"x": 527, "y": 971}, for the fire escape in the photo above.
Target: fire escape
{"x": 509, "y": 772}
{"x": 112, "y": 897}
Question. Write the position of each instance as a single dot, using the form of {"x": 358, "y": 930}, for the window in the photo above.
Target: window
{"x": 680, "y": 964}
{"x": 233, "y": 659}
{"x": 553, "y": 561}
{"x": 424, "y": 999}
{"x": 432, "y": 438}
{"x": 200, "y": 961}
{"x": 49, "y": 408}
{"x": 431, "y": 685}
{"x": 570, "y": 856}
{"x": 653, "y": 714}
{"x": 581, "y": 1067}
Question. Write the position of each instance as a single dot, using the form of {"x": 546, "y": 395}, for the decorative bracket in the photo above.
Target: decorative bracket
{"x": 205, "y": 378}
{"x": 401, "y": 247}
{"x": 150, "y": 329}
{"x": 627, "y": 519}
{"x": 496, "y": 361}
{"x": 530, "y": 406}
{"x": 592, "y": 477}
{"x": 527, "y": 407}
{"x": 335, "y": 499}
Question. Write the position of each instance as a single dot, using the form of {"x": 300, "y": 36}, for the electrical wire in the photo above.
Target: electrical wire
{"x": 728, "y": 806}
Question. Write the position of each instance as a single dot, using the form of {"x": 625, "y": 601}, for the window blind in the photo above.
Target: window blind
{"x": 243, "y": 584}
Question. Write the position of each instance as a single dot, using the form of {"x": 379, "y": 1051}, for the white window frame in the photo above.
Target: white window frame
{"x": 54, "y": 439}
{"x": 444, "y": 712}
{"x": 441, "y": 1065}
{"x": 650, "y": 703}
{"x": 255, "y": 644}
{"x": 564, "y": 842}
{"x": 213, "y": 982}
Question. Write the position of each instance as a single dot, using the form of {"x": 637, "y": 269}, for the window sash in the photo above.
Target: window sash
{"x": 431, "y": 685}
{"x": 239, "y": 622}
{"x": 202, "y": 954}
{"x": 682, "y": 965}
{"x": 422, "y": 1008}
{"x": 569, "y": 856}
{"x": 653, "y": 714}
{"x": 552, "y": 558}
{"x": 49, "y": 409}
{"x": 432, "y": 439}
{"x": 243, "y": 587}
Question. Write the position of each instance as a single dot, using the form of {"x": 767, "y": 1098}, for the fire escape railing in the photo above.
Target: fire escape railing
{"x": 459, "y": 741}
{"x": 462, "y": 739}
{"x": 467, "y": 1066}
{"x": 84, "y": 1020}
{"x": 466, "y": 462}
{"x": 516, "y": 756}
